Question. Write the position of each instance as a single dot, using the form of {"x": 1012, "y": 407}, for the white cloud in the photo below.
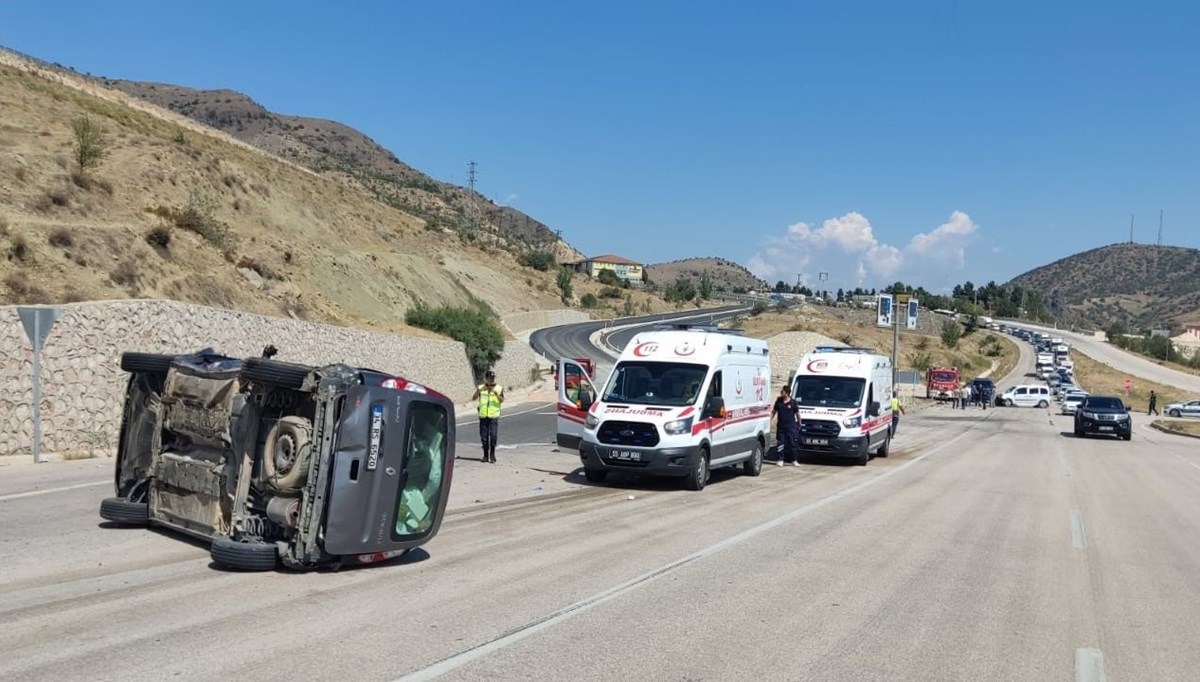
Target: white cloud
{"x": 847, "y": 249}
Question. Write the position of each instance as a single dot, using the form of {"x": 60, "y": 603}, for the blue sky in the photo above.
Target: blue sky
{"x": 928, "y": 141}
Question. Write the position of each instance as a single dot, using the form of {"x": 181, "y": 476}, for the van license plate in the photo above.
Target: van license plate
{"x": 626, "y": 455}
{"x": 1106, "y": 428}
{"x": 816, "y": 441}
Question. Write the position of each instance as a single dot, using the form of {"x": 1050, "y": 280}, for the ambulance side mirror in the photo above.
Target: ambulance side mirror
{"x": 873, "y": 409}
{"x": 715, "y": 407}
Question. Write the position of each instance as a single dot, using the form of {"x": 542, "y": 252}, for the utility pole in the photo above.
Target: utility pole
{"x": 471, "y": 174}
{"x": 1160, "y": 218}
{"x": 1130, "y": 228}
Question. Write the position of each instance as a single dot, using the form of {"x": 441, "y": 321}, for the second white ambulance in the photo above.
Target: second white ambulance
{"x": 845, "y": 397}
{"x": 678, "y": 403}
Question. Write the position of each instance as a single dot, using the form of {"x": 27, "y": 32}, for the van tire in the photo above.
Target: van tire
{"x": 753, "y": 466}
{"x": 1043, "y": 404}
{"x": 864, "y": 458}
{"x": 244, "y": 556}
{"x": 1007, "y": 402}
{"x": 281, "y": 374}
{"x": 124, "y": 512}
{"x": 885, "y": 448}
{"x": 151, "y": 363}
{"x": 595, "y": 475}
{"x": 698, "y": 476}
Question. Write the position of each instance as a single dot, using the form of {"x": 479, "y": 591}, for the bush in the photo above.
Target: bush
{"x": 920, "y": 361}
{"x": 475, "y": 329}
{"x": 159, "y": 237}
{"x": 542, "y": 261}
{"x": 565, "y": 275}
{"x": 680, "y": 291}
{"x": 758, "y": 309}
{"x": 21, "y": 291}
{"x": 126, "y": 274}
{"x": 18, "y": 249}
{"x": 199, "y": 217}
{"x": 61, "y": 237}
{"x": 611, "y": 292}
{"x": 951, "y": 333}
{"x": 589, "y": 301}
{"x": 89, "y": 143}
{"x": 609, "y": 277}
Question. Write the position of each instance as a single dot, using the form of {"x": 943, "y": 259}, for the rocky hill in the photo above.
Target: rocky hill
{"x": 345, "y": 154}
{"x": 174, "y": 209}
{"x": 1139, "y": 285}
{"x": 724, "y": 273}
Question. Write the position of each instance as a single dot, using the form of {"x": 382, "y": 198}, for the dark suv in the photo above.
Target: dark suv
{"x": 1103, "y": 415}
{"x": 272, "y": 461}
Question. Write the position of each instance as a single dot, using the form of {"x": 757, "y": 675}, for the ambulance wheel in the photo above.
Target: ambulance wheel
{"x": 753, "y": 466}
{"x": 883, "y": 449}
{"x": 595, "y": 475}
{"x": 864, "y": 458}
{"x": 698, "y": 476}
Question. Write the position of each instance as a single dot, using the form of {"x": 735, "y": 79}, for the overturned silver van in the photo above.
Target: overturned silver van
{"x": 274, "y": 462}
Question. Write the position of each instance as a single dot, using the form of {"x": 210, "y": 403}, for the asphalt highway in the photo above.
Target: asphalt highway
{"x": 991, "y": 545}
{"x": 1120, "y": 360}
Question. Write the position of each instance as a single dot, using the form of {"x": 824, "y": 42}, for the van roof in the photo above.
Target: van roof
{"x": 691, "y": 345}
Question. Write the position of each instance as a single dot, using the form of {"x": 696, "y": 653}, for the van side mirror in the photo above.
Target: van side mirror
{"x": 715, "y": 407}
{"x": 873, "y": 409}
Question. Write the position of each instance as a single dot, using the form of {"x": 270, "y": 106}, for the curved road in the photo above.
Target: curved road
{"x": 1106, "y": 353}
{"x": 574, "y": 340}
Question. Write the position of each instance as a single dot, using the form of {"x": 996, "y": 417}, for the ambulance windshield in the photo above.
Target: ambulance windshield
{"x": 819, "y": 391}
{"x": 670, "y": 384}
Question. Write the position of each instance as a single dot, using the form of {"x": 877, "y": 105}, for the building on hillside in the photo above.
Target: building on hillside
{"x": 623, "y": 268}
{"x": 1188, "y": 343}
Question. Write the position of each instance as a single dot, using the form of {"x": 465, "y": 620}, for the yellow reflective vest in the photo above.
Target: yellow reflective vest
{"x": 489, "y": 401}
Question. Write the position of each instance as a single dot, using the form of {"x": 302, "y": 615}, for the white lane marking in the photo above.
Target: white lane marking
{"x": 539, "y": 406}
{"x": 1062, "y": 463}
{"x": 458, "y": 660}
{"x": 1089, "y": 665}
{"x": 1188, "y": 462}
{"x": 1078, "y": 533}
{"x": 47, "y": 491}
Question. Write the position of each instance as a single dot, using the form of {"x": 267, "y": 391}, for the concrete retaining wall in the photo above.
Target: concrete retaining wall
{"x": 83, "y": 387}
{"x": 540, "y": 319}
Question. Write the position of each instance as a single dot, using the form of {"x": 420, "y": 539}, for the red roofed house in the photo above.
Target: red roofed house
{"x": 623, "y": 268}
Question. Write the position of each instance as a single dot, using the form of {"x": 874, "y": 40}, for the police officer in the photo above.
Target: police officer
{"x": 489, "y": 397}
{"x": 897, "y": 410}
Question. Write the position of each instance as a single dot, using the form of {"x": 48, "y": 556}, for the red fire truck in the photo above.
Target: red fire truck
{"x": 941, "y": 382}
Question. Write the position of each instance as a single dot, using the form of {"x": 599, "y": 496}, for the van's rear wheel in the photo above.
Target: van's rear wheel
{"x": 753, "y": 466}
{"x": 281, "y": 374}
{"x": 153, "y": 363}
{"x": 1043, "y": 404}
{"x": 243, "y": 556}
{"x": 124, "y": 512}
{"x": 698, "y": 476}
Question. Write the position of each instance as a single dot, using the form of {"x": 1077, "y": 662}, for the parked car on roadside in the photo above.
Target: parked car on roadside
{"x": 1103, "y": 415}
{"x": 1189, "y": 409}
{"x": 269, "y": 461}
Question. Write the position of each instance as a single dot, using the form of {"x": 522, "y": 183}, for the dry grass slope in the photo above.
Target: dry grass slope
{"x": 178, "y": 211}
{"x": 1139, "y": 285}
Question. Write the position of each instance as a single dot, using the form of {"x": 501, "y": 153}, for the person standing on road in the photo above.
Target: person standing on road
{"x": 955, "y": 396}
{"x": 489, "y": 397}
{"x": 787, "y": 427}
{"x": 897, "y": 410}
{"x": 1153, "y": 404}
{"x": 966, "y": 395}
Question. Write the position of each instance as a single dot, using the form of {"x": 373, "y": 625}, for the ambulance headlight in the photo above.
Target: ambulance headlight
{"x": 592, "y": 421}
{"x": 678, "y": 427}
{"x": 852, "y": 422}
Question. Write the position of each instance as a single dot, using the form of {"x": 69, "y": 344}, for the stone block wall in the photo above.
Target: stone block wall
{"x": 540, "y": 319}
{"x": 83, "y": 385}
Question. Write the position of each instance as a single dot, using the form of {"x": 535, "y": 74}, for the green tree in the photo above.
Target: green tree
{"x": 541, "y": 261}
{"x": 951, "y": 333}
{"x": 706, "y": 286}
{"x": 609, "y": 277}
{"x": 476, "y": 330}
{"x": 89, "y": 143}
{"x": 589, "y": 300}
{"x": 565, "y": 289}
{"x": 680, "y": 291}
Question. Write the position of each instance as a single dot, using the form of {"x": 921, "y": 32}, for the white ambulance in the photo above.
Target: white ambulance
{"x": 679, "y": 402}
{"x": 845, "y": 398}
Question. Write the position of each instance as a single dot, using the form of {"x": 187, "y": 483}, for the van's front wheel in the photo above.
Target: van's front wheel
{"x": 753, "y": 466}
{"x": 698, "y": 476}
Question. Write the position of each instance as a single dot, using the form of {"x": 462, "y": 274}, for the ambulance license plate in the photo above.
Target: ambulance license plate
{"x": 625, "y": 455}
{"x": 816, "y": 441}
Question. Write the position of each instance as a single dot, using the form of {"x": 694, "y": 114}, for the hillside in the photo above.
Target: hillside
{"x": 724, "y": 273}
{"x": 178, "y": 210}
{"x": 1139, "y": 285}
{"x": 341, "y": 152}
